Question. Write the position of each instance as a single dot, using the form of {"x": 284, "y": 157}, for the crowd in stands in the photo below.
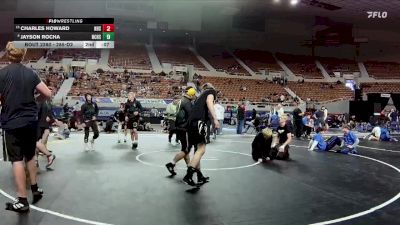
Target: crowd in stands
{"x": 258, "y": 60}
{"x": 301, "y": 65}
{"x": 383, "y": 70}
{"x": 130, "y": 57}
{"x": 52, "y": 77}
{"x": 110, "y": 84}
{"x": 57, "y": 55}
{"x": 177, "y": 55}
{"x": 332, "y": 65}
{"x": 254, "y": 91}
{"x": 221, "y": 60}
{"x": 320, "y": 92}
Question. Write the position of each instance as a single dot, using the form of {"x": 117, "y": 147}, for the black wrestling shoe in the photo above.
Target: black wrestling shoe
{"x": 170, "y": 168}
{"x": 189, "y": 181}
{"x": 19, "y": 206}
{"x": 202, "y": 180}
{"x": 37, "y": 195}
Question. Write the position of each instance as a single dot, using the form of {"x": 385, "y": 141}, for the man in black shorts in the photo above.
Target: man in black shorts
{"x": 119, "y": 115}
{"x": 283, "y": 140}
{"x": 89, "y": 113}
{"x": 197, "y": 128}
{"x": 45, "y": 119}
{"x": 133, "y": 109}
{"x": 19, "y": 120}
{"x": 184, "y": 108}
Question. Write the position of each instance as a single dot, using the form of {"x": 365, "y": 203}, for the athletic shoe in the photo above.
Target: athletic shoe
{"x": 119, "y": 141}
{"x": 188, "y": 180}
{"x": 124, "y": 140}
{"x": 170, "y": 168}
{"x": 134, "y": 145}
{"x": 37, "y": 195}
{"x": 202, "y": 180}
{"x": 50, "y": 160}
{"x": 18, "y": 206}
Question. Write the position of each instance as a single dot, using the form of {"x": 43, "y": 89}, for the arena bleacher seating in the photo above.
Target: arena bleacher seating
{"x": 256, "y": 91}
{"x": 301, "y": 65}
{"x": 178, "y": 55}
{"x": 258, "y": 60}
{"x": 383, "y": 70}
{"x": 320, "y": 91}
{"x": 119, "y": 84}
{"x": 380, "y": 88}
{"x": 130, "y": 57}
{"x": 57, "y": 55}
{"x": 332, "y": 65}
{"x": 221, "y": 60}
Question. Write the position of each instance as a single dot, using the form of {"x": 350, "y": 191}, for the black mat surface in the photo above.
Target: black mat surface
{"x": 111, "y": 186}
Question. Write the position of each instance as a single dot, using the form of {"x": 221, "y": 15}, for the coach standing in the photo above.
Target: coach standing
{"x": 298, "y": 120}
{"x": 19, "y": 120}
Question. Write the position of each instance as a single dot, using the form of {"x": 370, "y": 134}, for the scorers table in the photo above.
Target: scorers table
{"x": 95, "y": 33}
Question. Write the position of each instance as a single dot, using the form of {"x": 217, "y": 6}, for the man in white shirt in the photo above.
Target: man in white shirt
{"x": 220, "y": 113}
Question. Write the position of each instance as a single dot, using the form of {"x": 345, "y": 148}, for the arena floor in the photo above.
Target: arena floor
{"x": 115, "y": 185}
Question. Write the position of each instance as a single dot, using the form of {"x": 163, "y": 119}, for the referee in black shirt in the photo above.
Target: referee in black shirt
{"x": 19, "y": 120}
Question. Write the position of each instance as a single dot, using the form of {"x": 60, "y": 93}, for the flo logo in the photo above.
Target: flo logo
{"x": 377, "y": 14}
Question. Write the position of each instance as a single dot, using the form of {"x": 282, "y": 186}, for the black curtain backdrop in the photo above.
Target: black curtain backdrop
{"x": 376, "y": 98}
{"x": 396, "y": 101}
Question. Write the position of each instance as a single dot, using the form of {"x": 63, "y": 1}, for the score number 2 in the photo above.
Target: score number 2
{"x": 108, "y": 27}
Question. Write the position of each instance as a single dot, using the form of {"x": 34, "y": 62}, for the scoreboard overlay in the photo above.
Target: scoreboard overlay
{"x": 95, "y": 33}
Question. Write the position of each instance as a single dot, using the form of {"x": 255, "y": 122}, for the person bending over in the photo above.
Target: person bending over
{"x": 380, "y": 133}
{"x": 262, "y": 146}
{"x": 19, "y": 122}
{"x": 89, "y": 113}
{"x": 321, "y": 144}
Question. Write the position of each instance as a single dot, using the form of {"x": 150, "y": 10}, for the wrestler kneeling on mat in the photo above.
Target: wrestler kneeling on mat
{"x": 284, "y": 138}
{"x": 262, "y": 146}
{"x": 380, "y": 133}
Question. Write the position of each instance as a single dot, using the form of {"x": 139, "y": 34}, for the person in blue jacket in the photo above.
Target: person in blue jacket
{"x": 350, "y": 141}
{"x": 321, "y": 144}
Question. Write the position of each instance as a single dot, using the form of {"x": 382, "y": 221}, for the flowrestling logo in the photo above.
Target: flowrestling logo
{"x": 377, "y": 14}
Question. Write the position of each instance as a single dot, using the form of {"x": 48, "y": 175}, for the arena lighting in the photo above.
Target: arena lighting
{"x": 294, "y": 2}
{"x": 276, "y": 1}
